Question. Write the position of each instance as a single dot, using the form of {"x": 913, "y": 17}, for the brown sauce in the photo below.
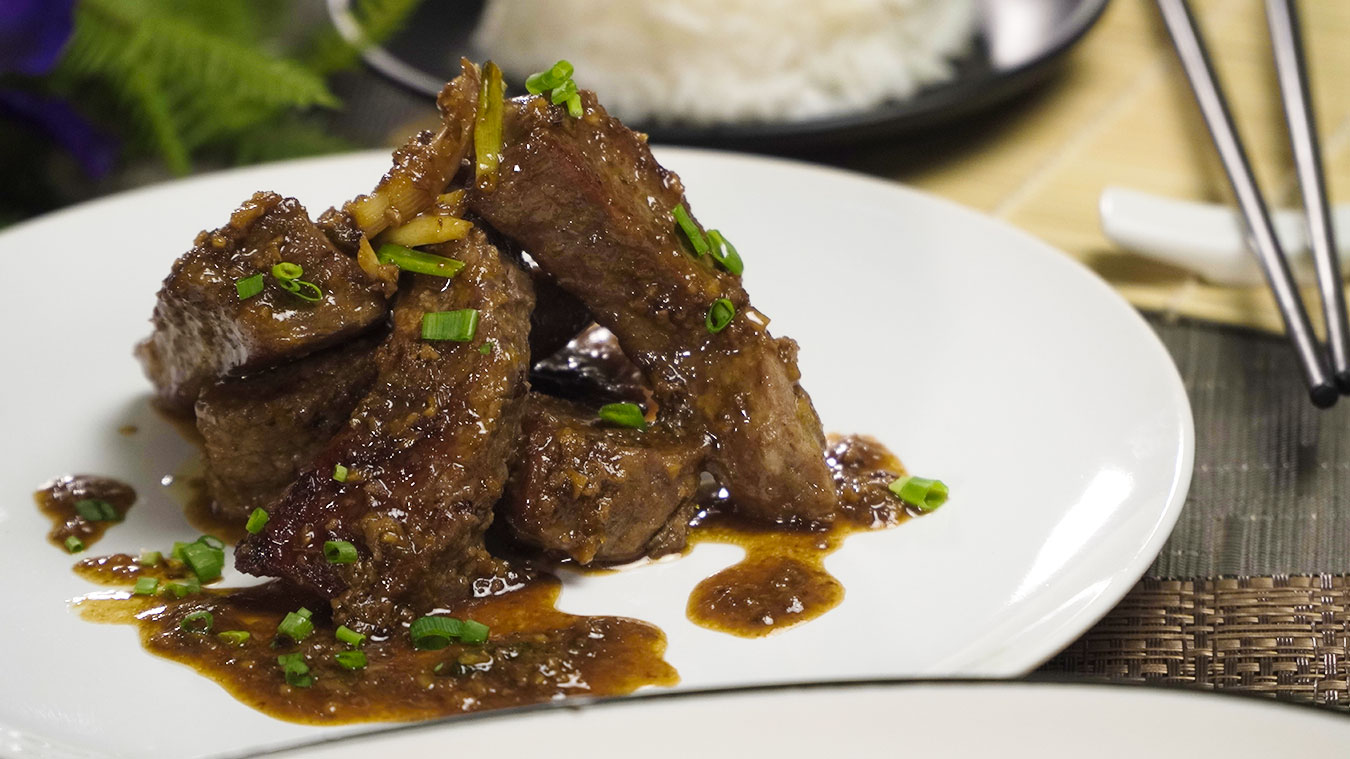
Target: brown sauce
{"x": 533, "y": 654}
{"x": 125, "y": 569}
{"x": 58, "y": 498}
{"x": 782, "y": 580}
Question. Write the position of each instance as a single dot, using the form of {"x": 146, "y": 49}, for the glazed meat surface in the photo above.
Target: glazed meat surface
{"x": 204, "y": 331}
{"x": 592, "y": 369}
{"x": 594, "y": 493}
{"x": 426, "y": 451}
{"x": 588, "y": 201}
{"x": 259, "y": 432}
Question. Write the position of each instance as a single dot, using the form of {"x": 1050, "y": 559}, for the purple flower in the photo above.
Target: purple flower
{"x": 32, "y": 33}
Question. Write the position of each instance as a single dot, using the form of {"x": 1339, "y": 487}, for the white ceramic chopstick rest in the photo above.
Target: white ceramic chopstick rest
{"x": 1207, "y": 238}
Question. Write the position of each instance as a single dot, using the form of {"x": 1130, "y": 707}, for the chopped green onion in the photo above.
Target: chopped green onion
{"x": 351, "y": 659}
{"x": 433, "y": 633}
{"x": 624, "y": 415}
{"x": 340, "y": 472}
{"x": 212, "y": 541}
{"x": 459, "y": 326}
{"x": 150, "y": 558}
{"x": 178, "y": 547}
{"x": 474, "y": 632}
{"x": 296, "y": 625}
{"x": 486, "y": 347}
{"x": 302, "y": 289}
{"x": 418, "y": 262}
{"x": 563, "y": 92}
{"x": 295, "y": 669}
{"x": 146, "y": 586}
{"x": 96, "y": 510}
{"x": 574, "y": 106}
{"x": 234, "y": 637}
{"x": 349, "y": 636}
{"x": 691, "y": 231}
{"x": 74, "y": 544}
{"x": 724, "y": 253}
{"x": 554, "y": 76}
{"x": 719, "y": 315}
{"x": 921, "y": 493}
{"x": 182, "y": 589}
{"x": 206, "y": 562}
{"x": 197, "y": 622}
{"x": 256, "y": 521}
{"x": 339, "y": 552}
{"x": 287, "y": 270}
{"x": 487, "y": 132}
{"x": 247, "y": 287}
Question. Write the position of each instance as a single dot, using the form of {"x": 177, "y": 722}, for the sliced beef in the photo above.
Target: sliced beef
{"x": 594, "y": 493}
{"x": 588, "y": 201}
{"x": 204, "y": 331}
{"x": 426, "y": 453}
{"x": 259, "y": 432}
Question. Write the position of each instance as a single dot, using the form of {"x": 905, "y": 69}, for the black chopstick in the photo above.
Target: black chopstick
{"x": 1260, "y": 234}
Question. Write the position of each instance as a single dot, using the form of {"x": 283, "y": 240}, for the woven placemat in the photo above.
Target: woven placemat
{"x": 1283, "y": 636}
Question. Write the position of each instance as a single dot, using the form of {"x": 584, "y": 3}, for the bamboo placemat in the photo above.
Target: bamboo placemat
{"x": 1121, "y": 113}
{"x": 1281, "y": 636}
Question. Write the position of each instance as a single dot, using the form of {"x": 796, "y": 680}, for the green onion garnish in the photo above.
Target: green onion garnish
{"x": 351, "y": 659}
{"x": 197, "y": 622}
{"x": 691, "y": 231}
{"x": 563, "y": 92}
{"x": 295, "y": 669}
{"x": 921, "y": 493}
{"x": 624, "y": 415}
{"x": 349, "y": 636}
{"x": 486, "y": 347}
{"x": 206, "y": 562}
{"x": 474, "y": 632}
{"x": 296, "y": 625}
{"x": 719, "y": 315}
{"x": 182, "y": 589}
{"x": 74, "y": 544}
{"x": 433, "y": 633}
{"x": 340, "y": 473}
{"x": 418, "y": 262}
{"x": 554, "y": 76}
{"x": 212, "y": 541}
{"x": 150, "y": 558}
{"x": 234, "y": 637}
{"x": 256, "y": 521}
{"x": 146, "y": 586}
{"x": 459, "y": 326}
{"x": 301, "y": 289}
{"x": 339, "y": 552}
{"x": 96, "y": 510}
{"x": 574, "y": 106}
{"x": 247, "y": 287}
{"x": 487, "y": 131}
{"x": 178, "y": 547}
{"x": 725, "y": 253}
{"x": 287, "y": 270}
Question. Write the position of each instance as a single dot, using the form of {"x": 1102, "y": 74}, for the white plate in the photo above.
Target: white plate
{"x": 977, "y": 353}
{"x": 924, "y": 719}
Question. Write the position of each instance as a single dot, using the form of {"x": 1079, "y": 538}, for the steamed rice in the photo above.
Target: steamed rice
{"x": 716, "y": 61}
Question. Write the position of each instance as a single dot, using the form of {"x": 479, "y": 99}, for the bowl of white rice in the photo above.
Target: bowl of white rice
{"x": 766, "y": 74}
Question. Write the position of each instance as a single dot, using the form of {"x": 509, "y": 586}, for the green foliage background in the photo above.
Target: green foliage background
{"x": 187, "y": 81}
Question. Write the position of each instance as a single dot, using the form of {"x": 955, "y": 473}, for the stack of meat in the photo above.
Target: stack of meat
{"x": 338, "y": 418}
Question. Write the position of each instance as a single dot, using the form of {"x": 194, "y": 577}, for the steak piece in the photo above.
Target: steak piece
{"x": 260, "y": 431}
{"x": 588, "y": 201}
{"x": 426, "y": 453}
{"x": 204, "y": 331}
{"x": 599, "y": 494}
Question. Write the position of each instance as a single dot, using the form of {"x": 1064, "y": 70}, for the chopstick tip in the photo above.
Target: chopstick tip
{"x": 1324, "y": 395}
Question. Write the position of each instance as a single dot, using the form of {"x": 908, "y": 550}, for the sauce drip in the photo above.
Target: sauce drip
{"x": 57, "y": 500}
{"x": 782, "y": 580}
{"x": 125, "y": 569}
{"x": 534, "y": 653}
